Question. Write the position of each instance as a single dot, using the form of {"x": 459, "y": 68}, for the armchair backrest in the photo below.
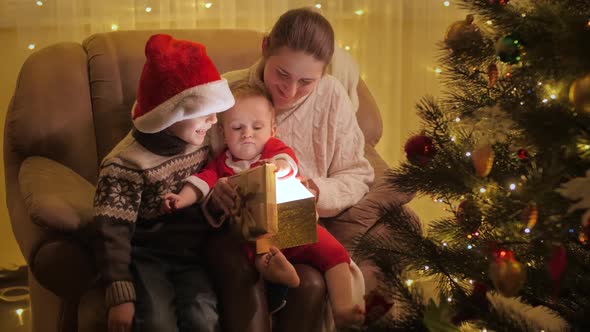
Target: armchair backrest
{"x": 72, "y": 102}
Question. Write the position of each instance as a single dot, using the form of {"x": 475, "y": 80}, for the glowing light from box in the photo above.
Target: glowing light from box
{"x": 291, "y": 189}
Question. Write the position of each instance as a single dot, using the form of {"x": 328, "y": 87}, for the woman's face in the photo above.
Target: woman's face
{"x": 290, "y": 75}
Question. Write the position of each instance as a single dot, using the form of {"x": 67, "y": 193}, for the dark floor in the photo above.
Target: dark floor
{"x": 9, "y": 306}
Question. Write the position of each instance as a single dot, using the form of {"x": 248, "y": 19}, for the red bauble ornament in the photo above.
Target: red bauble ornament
{"x": 523, "y": 155}
{"x": 499, "y": 2}
{"x": 493, "y": 74}
{"x": 420, "y": 150}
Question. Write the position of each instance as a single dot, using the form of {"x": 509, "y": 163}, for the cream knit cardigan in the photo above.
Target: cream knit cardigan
{"x": 325, "y": 136}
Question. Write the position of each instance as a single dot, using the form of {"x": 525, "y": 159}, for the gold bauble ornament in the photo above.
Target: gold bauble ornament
{"x": 483, "y": 159}
{"x": 579, "y": 93}
{"x": 463, "y": 35}
{"x": 507, "y": 274}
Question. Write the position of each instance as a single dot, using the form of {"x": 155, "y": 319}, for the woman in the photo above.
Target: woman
{"x": 314, "y": 116}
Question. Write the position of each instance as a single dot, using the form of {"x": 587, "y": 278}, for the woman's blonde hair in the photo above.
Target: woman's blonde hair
{"x": 302, "y": 30}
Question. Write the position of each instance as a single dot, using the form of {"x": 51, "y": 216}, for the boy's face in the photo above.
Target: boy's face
{"x": 193, "y": 131}
{"x": 248, "y": 126}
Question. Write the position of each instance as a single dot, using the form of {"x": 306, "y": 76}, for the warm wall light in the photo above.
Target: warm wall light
{"x": 359, "y": 12}
{"x": 114, "y": 27}
{"x": 208, "y": 5}
{"x": 39, "y": 3}
{"x": 148, "y": 9}
{"x": 318, "y": 5}
{"x": 31, "y": 46}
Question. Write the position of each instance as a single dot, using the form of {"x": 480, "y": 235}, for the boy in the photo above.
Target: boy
{"x": 248, "y": 131}
{"x": 150, "y": 262}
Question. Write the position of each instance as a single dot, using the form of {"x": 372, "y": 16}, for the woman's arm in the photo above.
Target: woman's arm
{"x": 349, "y": 173}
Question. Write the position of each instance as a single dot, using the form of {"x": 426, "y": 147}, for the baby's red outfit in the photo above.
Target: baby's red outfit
{"x": 324, "y": 254}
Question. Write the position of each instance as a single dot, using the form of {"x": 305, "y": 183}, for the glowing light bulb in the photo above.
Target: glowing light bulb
{"x": 148, "y": 9}
{"x": 446, "y": 3}
{"x": 457, "y": 119}
{"x": 318, "y": 5}
{"x": 19, "y": 313}
{"x": 409, "y": 282}
{"x": 489, "y": 22}
{"x": 114, "y": 27}
{"x": 438, "y": 70}
{"x": 359, "y": 12}
{"x": 468, "y": 154}
{"x": 208, "y": 5}
{"x": 512, "y": 186}
{"x": 39, "y": 3}
{"x": 482, "y": 190}
{"x": 347, "y": 48}
{"x": 31, "y": 46}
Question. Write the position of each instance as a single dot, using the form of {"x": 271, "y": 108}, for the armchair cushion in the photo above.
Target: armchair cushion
{"x": 55, "y": 196}
{"x": 364, "y": 215}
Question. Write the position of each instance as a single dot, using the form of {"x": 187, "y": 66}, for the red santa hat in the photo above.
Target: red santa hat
{"x": 176, "y": 69}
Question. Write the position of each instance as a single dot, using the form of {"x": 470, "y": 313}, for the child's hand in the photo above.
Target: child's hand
{"x": 121, "y": 317}
{"x": 223, "y": 196}
{"x": 283, "y": 168}
{"x": 172, "y": 202}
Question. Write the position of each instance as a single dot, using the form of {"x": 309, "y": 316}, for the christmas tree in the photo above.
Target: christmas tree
{"x": 506, "y": 149}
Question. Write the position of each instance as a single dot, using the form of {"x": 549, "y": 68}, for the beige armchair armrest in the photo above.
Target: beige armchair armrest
{"x": 55, "y": 196}
{"x": 60, "y": 202}
{"x": 363, "y": 216}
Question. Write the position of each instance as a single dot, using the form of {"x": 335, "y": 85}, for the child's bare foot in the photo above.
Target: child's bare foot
{"x": 349, "y": 316}
{"x": 275, "y": 267}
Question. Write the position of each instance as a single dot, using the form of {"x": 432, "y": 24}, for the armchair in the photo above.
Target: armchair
{"x": 70, "y": 107}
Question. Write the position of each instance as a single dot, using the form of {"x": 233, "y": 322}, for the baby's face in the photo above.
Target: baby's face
{"x": 247, "y": 127}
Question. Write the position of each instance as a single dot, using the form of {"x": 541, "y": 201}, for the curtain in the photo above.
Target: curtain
{"x": 394, "y": 42}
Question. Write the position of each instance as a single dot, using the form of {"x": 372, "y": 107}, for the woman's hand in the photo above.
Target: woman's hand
{"x": 121, "y": 317}
{"x": 310, "y": 185}
{"x": 223, "y": 196}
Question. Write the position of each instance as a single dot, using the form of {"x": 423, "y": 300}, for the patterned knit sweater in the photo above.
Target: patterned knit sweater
{"x": 133, "y": 178}
{"x": 322, "y": 130}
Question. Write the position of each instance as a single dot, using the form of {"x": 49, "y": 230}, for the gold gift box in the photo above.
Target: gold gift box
{"x": 274, "y": 211}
